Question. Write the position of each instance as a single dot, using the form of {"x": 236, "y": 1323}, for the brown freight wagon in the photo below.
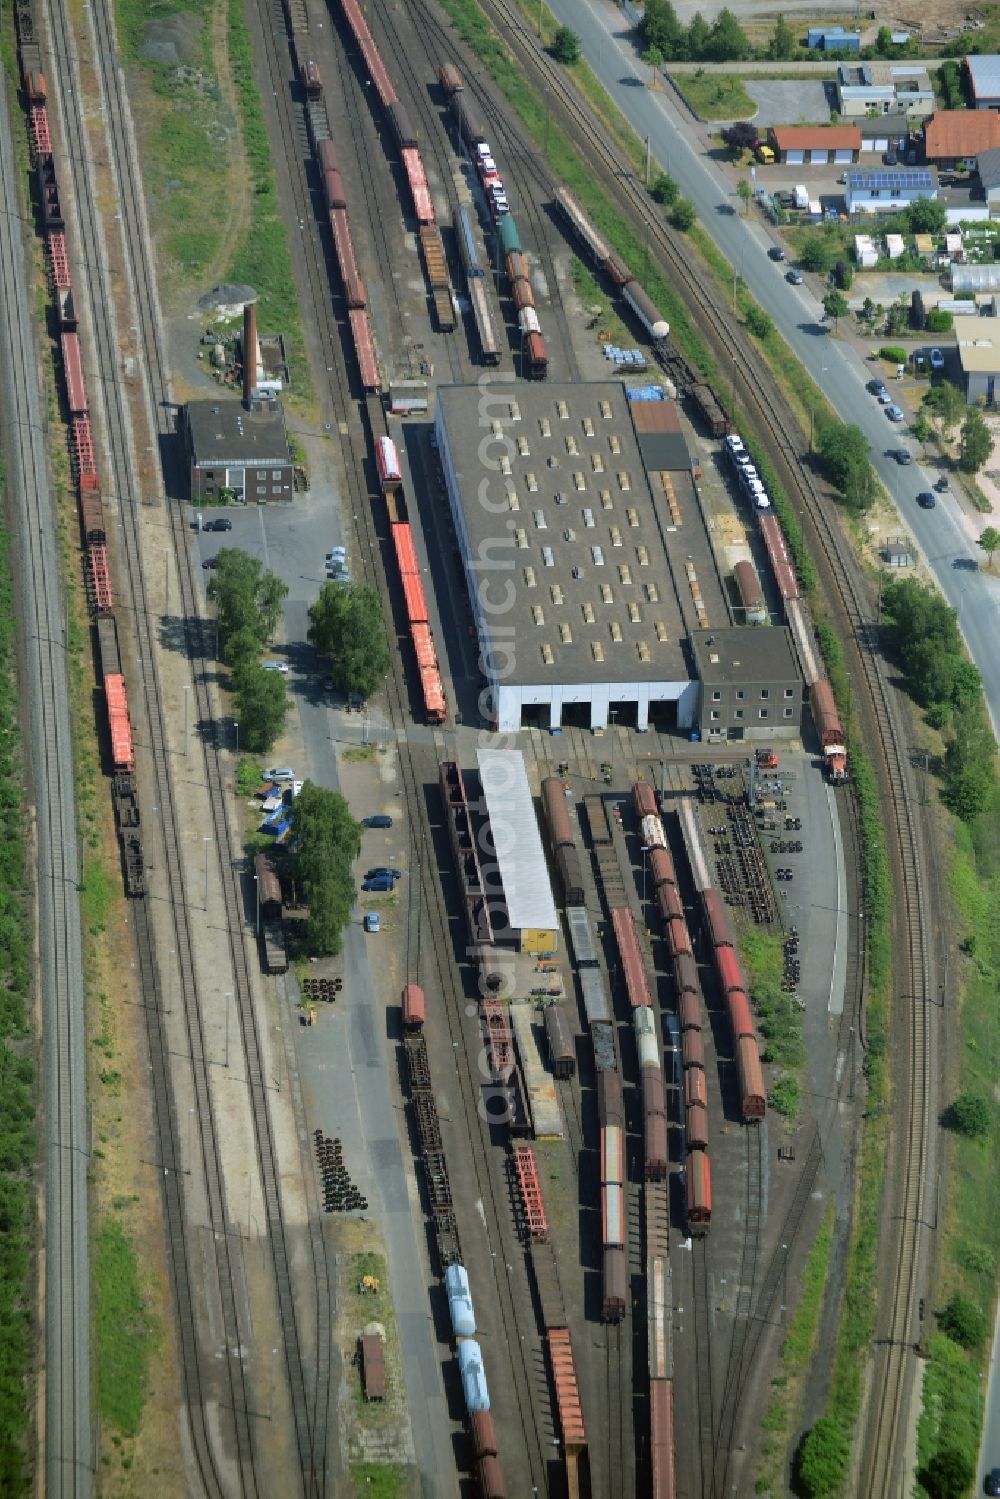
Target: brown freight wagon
{"x": 268, "y": 888}
{"x": 692, "y": 1048}
{"x": 696, "y": 1126}
{"x": 610, "y": 1109}
{"x": 654, "y": 1128}
{"x": 685, "y": 971}
{"x": 753, "y": 1099}
{"x": 613, "y": 1294}
{"x": 653, "y": 1093}
{"x": 492, "y": 1484}
{"x": 562, "y": 1053}
{"x": 570, "y": 874}
{"x": 644, "y": 800}
{"x": 554, "y": 802}
{"x": 690, "y": 1011}
{"x": 596, "y": 817}
{"x": 414, "y": 1007}
{"x": 699, "y": 1190}
{"x": 661, "y": 868}
{"x": 716, "y": 919}
{"x": 373, "y": 1362}
{"x": 677, "y": 934}
{"x": 667, "y": 899}
{"x": 695, "y": 1087}
{"x": 483, "y": 1433}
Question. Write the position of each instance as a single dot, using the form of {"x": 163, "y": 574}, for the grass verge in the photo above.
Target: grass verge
{"x": 378, "y": 1480}
{"x": 124, "y": 1334}
{"x": 793, "y": 1363}
{"x": 954, "y": 1378}
{"x": 716, "y": 96}
{"x": 17, "y": 1071}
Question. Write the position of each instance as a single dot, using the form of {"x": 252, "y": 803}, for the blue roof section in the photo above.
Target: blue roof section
{"x": 916, "y": 177}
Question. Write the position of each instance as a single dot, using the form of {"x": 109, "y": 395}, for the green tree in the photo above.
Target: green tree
{"x": 682, "y": 215}
{"x": 817, "y": 254}
{"x": 976, "y": 443}
{"x": 968, "y": 1115}
{"x": 947, "y": 403}
{"x": 660, "y": 28}
{"x": 964, "y": 1321}
{"x": 245, "y": 596}
{"x": 665, "y": 190}
{"x": 822, "y": 1458}
{"x": 782, "y": 45}
{"x": 326, "y": 840}
{"x": 969, "y": 774}
{"x": 261, "y": 704}
{"x": 883, "y": 42}
{"x": 867, "y": 310}
{"x": 926, "y": 216}
{"x": 346, "y": 625}
{"x": 939, "y": 322}
{"x": 845, "y": 459}
{"x": 836, "y": 306}
{"x": 759, "y": 322}
{"x": 727, "y": 40}
{"x": 921, "y": 427}
{"x": 949, "y": 1474}
{"x": 566, "y": 45}
{"x": 744, "y": 192}
{"x": 242, "y": 645}
{"x": 654, "y": 59}
{"x": 699, "y": 38}
{"x": 990, "y": 543}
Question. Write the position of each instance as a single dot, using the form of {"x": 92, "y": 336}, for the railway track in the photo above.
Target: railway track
{"x": 68, "y": 1445}
{"x": 309, "y": 1416}
{"x": 772, "y": 417}
{"x": 704, "y": 1379}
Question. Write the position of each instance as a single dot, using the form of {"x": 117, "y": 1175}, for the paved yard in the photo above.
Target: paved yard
{"x": 799, "y": 101}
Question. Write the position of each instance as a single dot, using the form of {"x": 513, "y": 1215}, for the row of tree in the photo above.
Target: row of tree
{"x": 726, "y": 41}
{"x": 325, "y": 841}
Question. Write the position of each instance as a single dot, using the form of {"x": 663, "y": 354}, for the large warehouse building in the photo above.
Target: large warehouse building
{"x": 584, "y": 589}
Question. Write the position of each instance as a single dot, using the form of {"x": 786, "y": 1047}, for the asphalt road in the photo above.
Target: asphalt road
{"x": 940, "y": 533}
{"x": 44, "y": 691}
{"x": 989, "y": 1452}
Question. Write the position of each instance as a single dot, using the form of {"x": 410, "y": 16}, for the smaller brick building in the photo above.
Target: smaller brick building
{"x": 229, "y": 447}
{"x": 751, "y": 686}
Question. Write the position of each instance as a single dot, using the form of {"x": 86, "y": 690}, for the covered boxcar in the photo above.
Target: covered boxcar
{"x": 668, "y": 900}
{"x": 570, "y": 874}
{"x": 554, "y": 801}
{"x": 562, "y": 1053}
{"x": 644, "y": 800}
{"x": 413, "y": 1007}
{"x": 699, "y": 1190}
{"x": 727, "y": 967}
{"x": 613, "y": 1293}
{"x": 685, "y": 972}
{"x": 633, "y": 967}
{"x": 716, "y": 920}
{"x": 661, "y": 868}
{"x": 753, "y": 1098}
{"x": 677, "y": 935}
{"x": 689, "y": 1011}
{"x": 740, "y": 1017}
{"x": 692, "y": 1048}
{"x": 696, "y": 1124}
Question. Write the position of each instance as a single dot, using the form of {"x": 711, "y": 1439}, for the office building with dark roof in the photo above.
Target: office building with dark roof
{"x": 585, "y": 551}
{"x": 751, "y": 686}
{"x": 246, "y": 452}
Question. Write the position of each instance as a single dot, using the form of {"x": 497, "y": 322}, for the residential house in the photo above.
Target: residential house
{"x": 958, "y": 135}
{"x": 886, "y": 189}
{"x": 884, "y": 87}
{"x": 816, "y": 145}
{"x": 984, "y": 79}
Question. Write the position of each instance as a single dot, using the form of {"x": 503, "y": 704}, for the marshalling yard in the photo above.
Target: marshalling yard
{"x": 500, "y": 1195}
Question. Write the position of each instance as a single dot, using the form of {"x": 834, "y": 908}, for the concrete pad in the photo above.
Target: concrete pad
{"x": 800, "y": 101}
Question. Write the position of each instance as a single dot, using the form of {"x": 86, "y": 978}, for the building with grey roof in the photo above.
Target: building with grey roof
{"x": 984, "y": 76}
{"x": 751, "y": 687}
{"x": 988, "y": 167}
{"x": 516, "y": 848}
{"x": 586, "y": 573}
{"x": 231, "y": 448}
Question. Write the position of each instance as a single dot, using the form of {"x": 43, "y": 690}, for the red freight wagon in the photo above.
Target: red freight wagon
{"x": 689, "y": 1010}
{"x": 432, "y": 689}
{"x": 450, "y": 78}
{"x": 661, "y": 868}
{"x": 483, "y": 1433}
{"x": 369, "y": 51}
{"x": 727, "y": 966}
{"x": 653, "y": 1092}
{"x": 654, "y": 1132}
{"x": 661, "y": 1439}
{"x": 391, "y": 477}
{"x": 716, "y": 920}
{"x": 413, "y": 1007}
{"x": 692, "y": 1048}
{"x": 413, "y": 166}
{"x": 779, "y": 556}
{"x": 122, "y": 751}
{"x": 696, "y": 1125}
{"x": 613, "y": 1300}
{"x": 668, "y": 901}
{"x": 644, "y": 800}
{"x": 517, "y": 265}
{"x": 406, "y": 552}
{"x": 333, "y": 188}
{"x": 610, "y": 1109}
{"x": 415, "y": 599}
{"x": 678, "y": 936}
{"x": 686, "y": 974}
{"x": 556, "y": 812}
{"x": 327, "y": 154}
{"x": 632, "y": 964}
{"x": 612, "y": 1154}
{"x": 522, "y": 294}
{"x": 739, "y": 1014}
{"x": 753, "y": 1098}
{"x": 354, "y": 289}
{"x": 361, "y": 333}
{"x": 423, "y": 644}
{"x": 76, "y": 387}
{"x": 695, "y": 1087}
{"x": 699, "y": 1189}
{"x": 492, "y": 1484}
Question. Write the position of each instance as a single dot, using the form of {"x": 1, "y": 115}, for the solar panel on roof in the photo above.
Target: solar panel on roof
{"x": 892, "y": 179}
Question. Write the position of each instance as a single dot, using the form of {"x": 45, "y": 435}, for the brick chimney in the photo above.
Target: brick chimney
{"x": 249, "y": 352}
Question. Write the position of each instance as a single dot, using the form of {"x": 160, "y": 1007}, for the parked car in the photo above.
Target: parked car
{"x": 776, "y": 252}
{"x": 281, "y": 666}
{"x": 890, "y": 158}
{"x": 382, "y": 884}
{"x": 794, "y": 277}
{"x": 280, "y": 773}
{"x": 926, "y": 500}
{"x": 942, "y": 486}
{"x": 376, "y": 820}
{"x": 373, "y": 922}
{"x": 876, "y": 386}
{"x": 384, "y": 872}
{"x": 937, "y": 359}
{"x": 904, "y": 456}
{"x": 221, "y": 523}
{"x": 336, "y": 554}
{"x": 894, "y": 413}
{"x": 884, "y": 398}
{"x": 992, "y": 1482}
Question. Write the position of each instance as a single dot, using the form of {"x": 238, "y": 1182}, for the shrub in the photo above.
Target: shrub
{"x": 968, "y": 1115}
{"x": 844, "y": 275}
{"x": 964, "y": 1322}
{"x": 939, "y": 322}
{"x": 759, "y": 322}
{"x": 893, "y": 352}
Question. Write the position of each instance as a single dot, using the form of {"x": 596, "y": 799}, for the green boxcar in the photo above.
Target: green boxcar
{"x": 509, "y": 237}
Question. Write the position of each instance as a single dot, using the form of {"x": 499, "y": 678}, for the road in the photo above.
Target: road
{"x": 989, "y": 1452}
{"x": 944, "y": 535}
{"x": 44, "y": 691}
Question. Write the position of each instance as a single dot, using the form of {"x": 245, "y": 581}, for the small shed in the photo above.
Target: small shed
{"x": 373, "y": 1361}
{"x": 865, "y": 252}
{"x": 894, "y": 246}
{"x": 896, "y": 554}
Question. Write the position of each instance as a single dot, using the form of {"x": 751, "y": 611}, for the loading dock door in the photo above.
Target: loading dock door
{"x": 796, "y": 158}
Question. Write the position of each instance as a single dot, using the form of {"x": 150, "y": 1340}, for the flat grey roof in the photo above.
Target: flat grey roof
{"x": 603, "y": 584}
{"x": 988, "y": 167}
{"x": 764, "y": 654}
{"x": 225, "y": 432}
{"x": 517, "y": 841}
